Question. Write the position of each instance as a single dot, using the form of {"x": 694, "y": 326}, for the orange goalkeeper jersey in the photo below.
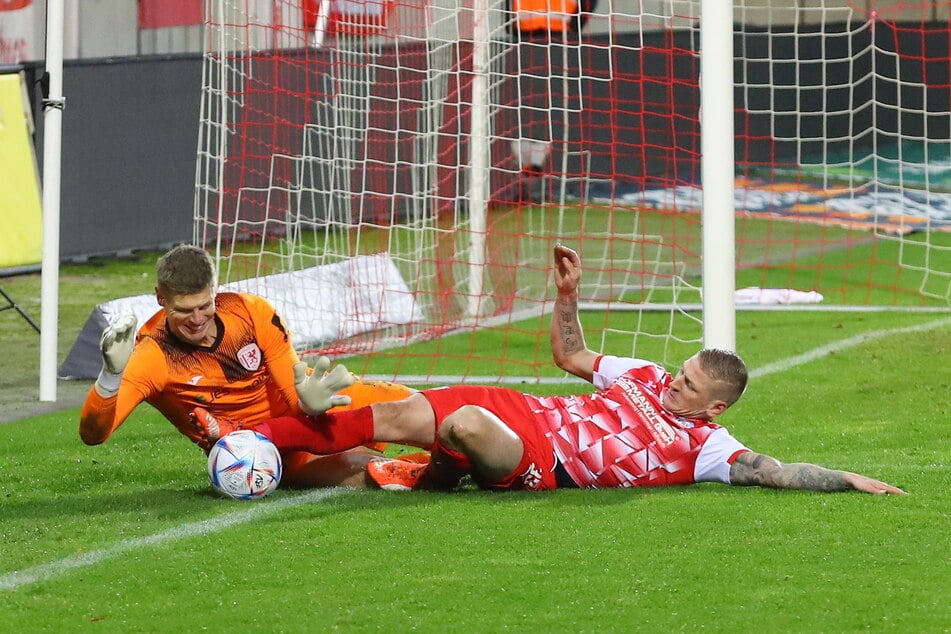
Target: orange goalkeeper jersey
{"x": 246, "y": 375}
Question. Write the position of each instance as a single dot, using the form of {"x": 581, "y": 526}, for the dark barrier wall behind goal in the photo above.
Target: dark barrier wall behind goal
{"x": 130, "y": 134}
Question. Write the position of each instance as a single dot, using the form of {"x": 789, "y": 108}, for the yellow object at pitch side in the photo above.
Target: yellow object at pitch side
{"x": 21, "y": 220}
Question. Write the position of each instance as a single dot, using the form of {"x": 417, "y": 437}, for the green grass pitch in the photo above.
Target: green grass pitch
{"x": 129, "y": 536}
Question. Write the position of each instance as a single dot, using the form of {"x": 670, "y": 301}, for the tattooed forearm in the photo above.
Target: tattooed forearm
{"x": 570, "y": 338}
{"x": 753, "y": 469}
{"x": 811, "y": 477}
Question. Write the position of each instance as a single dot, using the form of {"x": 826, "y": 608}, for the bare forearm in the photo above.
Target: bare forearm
{"x": 767, "y": 472}
{"x": 567, "y": 338}
{"x": 753, "y": 469}
{"x": 568, "y": 347}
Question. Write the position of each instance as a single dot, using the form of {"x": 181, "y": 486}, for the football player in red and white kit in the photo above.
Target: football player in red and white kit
{"x": 644, "y": 427}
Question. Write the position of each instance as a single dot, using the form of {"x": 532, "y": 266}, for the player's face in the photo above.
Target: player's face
{"x": 690, "y": 393}
{"x": 191, "y": 318}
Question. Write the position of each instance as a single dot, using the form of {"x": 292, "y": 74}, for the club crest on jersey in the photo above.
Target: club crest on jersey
{"x": 532, "y": 477}
{"x": 250, "y": 357}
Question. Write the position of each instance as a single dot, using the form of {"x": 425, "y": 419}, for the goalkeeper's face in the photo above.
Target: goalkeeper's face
{"x": 191, "y": 318}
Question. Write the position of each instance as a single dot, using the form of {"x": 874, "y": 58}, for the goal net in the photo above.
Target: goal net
{"x": 395, "y": 173}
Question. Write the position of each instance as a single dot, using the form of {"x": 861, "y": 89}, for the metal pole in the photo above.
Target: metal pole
{"x": 478, "y": 154}
{"x": 717, "y": 173}
{"x": 53, "y": 104}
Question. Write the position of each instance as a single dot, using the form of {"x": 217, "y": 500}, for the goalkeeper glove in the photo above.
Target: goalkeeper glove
{"x": 318, "y": 391}
{"x": 116, "y": 345}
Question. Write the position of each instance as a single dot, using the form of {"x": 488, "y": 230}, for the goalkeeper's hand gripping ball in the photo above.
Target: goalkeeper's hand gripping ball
{"x": 317, "y": 391}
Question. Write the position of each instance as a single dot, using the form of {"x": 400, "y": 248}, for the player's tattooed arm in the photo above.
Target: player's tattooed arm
{"x": 568, "y": 346}
{"x": 569, "y": 335}
{"x": 755, "y": 469}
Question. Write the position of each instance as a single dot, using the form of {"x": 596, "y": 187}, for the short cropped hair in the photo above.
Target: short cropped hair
{"x": 728, "y": 370}
{"x": 185, "y": 270}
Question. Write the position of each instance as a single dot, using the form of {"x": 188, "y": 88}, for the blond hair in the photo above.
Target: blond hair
{"x": 728, "y": 370}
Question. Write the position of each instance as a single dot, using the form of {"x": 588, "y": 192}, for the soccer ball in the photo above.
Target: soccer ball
{"x": 244, "y": 465}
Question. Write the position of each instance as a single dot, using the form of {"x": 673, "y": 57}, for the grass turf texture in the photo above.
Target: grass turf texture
{"x": 128, "y": 536}
{"x": 81, "y": 288}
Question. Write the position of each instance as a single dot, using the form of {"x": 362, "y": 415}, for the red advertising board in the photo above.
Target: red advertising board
{"x": 13, "y": 5}
{"x": 158, "y": 14}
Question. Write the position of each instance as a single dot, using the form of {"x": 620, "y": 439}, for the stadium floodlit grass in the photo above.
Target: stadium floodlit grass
{"x": 129, "y": 536}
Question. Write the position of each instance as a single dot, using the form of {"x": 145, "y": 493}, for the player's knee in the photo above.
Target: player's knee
{"x": 465, "y": 428}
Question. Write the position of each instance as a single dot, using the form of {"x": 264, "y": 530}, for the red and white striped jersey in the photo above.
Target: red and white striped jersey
{"x": 622, "y": 436}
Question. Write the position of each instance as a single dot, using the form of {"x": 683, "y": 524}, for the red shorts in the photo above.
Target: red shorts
{"x": 536, "y": 470}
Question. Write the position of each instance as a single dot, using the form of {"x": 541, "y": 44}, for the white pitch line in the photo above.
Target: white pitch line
{"x": 255, "y": 510}
{"x": 836, "y": 346}
{"x": 20, "y": 578}
{"x": 766, "y": 370}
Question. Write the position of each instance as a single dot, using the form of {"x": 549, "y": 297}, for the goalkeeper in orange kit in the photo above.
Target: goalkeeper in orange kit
{"x": 229, "y": 353}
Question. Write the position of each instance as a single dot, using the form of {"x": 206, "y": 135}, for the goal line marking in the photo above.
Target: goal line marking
{"x": 28, "y": 576}
{"x": 42, "y": 572}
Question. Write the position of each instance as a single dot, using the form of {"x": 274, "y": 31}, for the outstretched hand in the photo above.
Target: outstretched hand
{"x": 117, "y": 342}
{"x": 317, "y": 391}
{"x": 116, "y": 346}
{"x": 870, "y": 485}
{"x": 756, "y": 469}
